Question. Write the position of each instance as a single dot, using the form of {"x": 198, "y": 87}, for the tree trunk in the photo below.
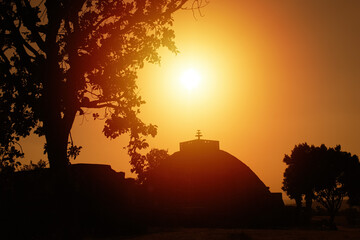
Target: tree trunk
{"x": 55, "y": 134}
{"x": 61, "y": 195}
{"x": 57, "y": 137}
{"x": 332, "y": 225}
{"x": 298, "y": 201}
{"x": 308, "y": 203}
{"x": 308, "y": 209}
{"x": 57, "y": 140}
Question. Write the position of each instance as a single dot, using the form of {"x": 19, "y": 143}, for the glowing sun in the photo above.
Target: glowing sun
{"x": 190, "y": 79}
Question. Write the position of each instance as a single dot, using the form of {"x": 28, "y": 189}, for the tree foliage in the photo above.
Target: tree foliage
{"x": 60, "y": 58}
{"x": 8, "y": 158}
{"x": 146, "y": 164}
{"x": 326, "y": 175}
{"x": 34, "y": 166}
{"x": 295, "y": 183}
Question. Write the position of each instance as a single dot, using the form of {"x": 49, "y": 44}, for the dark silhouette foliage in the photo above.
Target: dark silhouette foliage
{"x": 326, "y": 175}
{"x": 148, "y": 163}
{"x": 8, "y": 158}
{"x": 297, "y": 179}
{"x": 34, "y": 166}
{"x": 9, "y": 153}
{"x": 59, "y": 58}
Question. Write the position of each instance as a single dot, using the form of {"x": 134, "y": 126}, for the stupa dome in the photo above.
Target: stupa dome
{"x": 202, "y": 180}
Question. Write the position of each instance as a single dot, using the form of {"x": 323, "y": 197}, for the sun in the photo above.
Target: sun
{"x": 190, "y": 79}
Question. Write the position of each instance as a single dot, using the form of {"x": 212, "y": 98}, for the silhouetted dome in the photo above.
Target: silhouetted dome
{"x": 209, "y": 180}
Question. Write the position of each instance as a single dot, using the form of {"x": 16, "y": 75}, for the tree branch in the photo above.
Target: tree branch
{"x": 18, "y": 41}
{"x": 28, "y": 46}
{"x": 6, "y": 60}
{"x": 98, "y": 104}
{"x": 30, "y": 24}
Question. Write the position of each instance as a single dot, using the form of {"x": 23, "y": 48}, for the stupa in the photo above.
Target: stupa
{"x": 201, "y": 183}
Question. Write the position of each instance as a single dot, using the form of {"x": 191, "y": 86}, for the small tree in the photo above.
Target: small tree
{"x": 340, "y": 171}
{"x": 146, "y": 164}
{"x": 326, "y": 175}
{"x": 299, "y": 165}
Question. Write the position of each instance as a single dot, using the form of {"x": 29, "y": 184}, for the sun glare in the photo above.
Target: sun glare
{"x": 190, "y": 79}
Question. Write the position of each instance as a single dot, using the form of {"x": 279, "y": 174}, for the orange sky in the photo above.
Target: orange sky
{"x": 274, "y": 74}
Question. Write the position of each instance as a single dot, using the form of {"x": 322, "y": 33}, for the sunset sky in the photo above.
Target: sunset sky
{"x": 273, "y": 73}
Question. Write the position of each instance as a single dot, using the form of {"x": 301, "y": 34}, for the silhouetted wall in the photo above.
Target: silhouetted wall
{"x": 90, "y": 200}
{"x": 192, "y": 188}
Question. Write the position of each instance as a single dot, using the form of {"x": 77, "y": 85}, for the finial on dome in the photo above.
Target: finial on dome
{"x": 198, "y": 134}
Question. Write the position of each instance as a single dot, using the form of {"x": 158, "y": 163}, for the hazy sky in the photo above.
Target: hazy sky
{"x": 274, "y": 73}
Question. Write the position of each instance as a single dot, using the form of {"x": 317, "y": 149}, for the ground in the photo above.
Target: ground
{"x": 246, "y": 234}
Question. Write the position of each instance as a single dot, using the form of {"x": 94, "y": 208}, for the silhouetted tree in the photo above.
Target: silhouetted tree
{"x": 326, "y": 175}
{"x": 60, "y": 57}
{"x": 299, "y": 165}
{"x": 146, "y": 164}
